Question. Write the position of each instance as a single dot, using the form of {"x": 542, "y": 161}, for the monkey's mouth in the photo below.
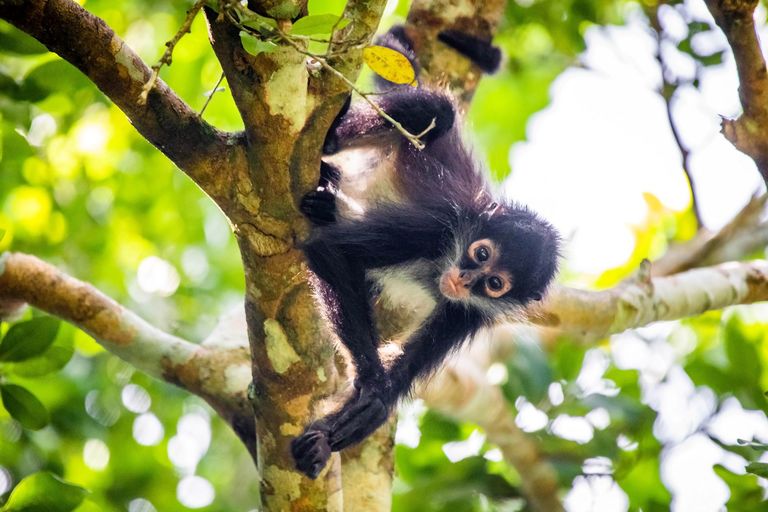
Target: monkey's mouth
{"x": 452, "y": 286}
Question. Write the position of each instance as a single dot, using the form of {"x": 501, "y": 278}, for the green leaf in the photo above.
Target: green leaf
{"x": 714, "y": 59}
{"x": 318, "y": 24}
{"x": 260, "y": 23}
{"x": 529, "y": 373}
{"x": 37, "y": 85}
{"x": 53, "y": 359}
{"x": 741, "y": 342}
{"x": 746, "y": 493}
{"x": 758, "y": 468}
{"x": 19, "y": 43}
{"x": 24, "y": 406}
{"x": 25, "y": 340}
{"x": 44, "y": 492}
{"x": 752, "y": 444}
{"x": 255, "y": 46}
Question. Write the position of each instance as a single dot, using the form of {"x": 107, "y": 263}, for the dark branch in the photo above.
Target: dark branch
{"x": 88, "y": 43}
{"x": 747, "y": 133}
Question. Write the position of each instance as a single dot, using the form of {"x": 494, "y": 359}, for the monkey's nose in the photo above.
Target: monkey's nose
{"x": 466, "y": 278}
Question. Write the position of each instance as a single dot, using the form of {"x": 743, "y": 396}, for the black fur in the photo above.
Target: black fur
{"x": 445, "y": 205}
{"x": 480, "y": 51}
{"x": 414, "y": 109}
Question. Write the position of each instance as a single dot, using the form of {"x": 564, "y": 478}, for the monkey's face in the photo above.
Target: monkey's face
{"x": 508, "y": 260}
{"x": 480, "y": 272}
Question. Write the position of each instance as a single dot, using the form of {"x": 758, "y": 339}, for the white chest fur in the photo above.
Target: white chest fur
{"x": 403, "y": 287}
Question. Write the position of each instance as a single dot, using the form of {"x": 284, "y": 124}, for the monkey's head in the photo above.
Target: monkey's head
{"x": 508, "y": 257}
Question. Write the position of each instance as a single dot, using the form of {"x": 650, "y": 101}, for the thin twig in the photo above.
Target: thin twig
{"x": 667, "y": 92}
{"x": 170, "y": 46}
{"x": 413, "y": 139}
{"x": 211, "y": 93}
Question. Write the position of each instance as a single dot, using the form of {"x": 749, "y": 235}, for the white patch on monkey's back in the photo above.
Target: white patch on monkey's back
{"x": 368, "y": 178}
{"x": 400, "y": 287}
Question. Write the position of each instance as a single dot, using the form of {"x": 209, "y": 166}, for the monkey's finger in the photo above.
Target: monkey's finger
{"x": 302, "y": 443}
{"x": 358, "y": 424}
{"x": 311, "y": 452}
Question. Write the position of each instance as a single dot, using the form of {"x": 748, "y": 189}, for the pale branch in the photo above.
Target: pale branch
{"x": 89, "y": 44}
{"x": 167, "y": 56}
{"x": 219, "y": 375}
{"x": 747, "y": 133}
{"x": 367, "y": 472}
{"x": 743, "y": 235}
{"x": 461, "y": 390}
{"x": 634, "y": 303}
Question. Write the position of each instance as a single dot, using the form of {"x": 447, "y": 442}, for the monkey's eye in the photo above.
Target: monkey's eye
{"x": 495, "y": 283}
{"x": 481, "y": 254}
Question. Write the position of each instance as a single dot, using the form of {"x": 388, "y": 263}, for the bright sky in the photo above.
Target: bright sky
{"x": 605, "y": 140}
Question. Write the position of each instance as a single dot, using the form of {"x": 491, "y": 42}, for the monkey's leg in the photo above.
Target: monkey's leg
{"x": 415, "y": 109}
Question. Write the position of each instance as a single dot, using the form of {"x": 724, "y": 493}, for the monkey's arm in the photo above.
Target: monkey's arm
{"x": 446, "y": 329}
{"x": 339, "y": 255}
{"x": 345, "y": 295}
{"x": 369, "y": 408}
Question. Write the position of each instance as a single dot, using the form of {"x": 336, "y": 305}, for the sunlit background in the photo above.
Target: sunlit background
{"x": 574, "y": 126}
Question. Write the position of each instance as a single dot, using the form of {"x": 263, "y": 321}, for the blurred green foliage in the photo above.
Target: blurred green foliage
{"x": 81, "y": 189}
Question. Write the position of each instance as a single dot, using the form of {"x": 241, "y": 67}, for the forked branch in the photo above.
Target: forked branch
{"x": 89, "y": 44}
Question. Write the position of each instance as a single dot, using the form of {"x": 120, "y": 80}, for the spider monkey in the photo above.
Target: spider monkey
{"x": 419, "y": 228}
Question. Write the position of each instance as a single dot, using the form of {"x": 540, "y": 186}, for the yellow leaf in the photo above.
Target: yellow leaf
{"x": 389, "y": 64}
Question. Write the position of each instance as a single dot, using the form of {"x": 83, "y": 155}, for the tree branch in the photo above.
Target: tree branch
{"x": 634, "y": 303}
{"x": 440, "y": 64}
{"x": 747, "y": 133}
{"x": 461, "y": 390}
{"x": 746, "y": 233}
{"x": 166, "y": 121}
{"x": 219, "y": 375}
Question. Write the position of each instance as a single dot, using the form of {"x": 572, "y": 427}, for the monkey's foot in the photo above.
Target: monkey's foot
{"x": 319, "y": 206}
{"x": 358, "y": 419}
{"x": 311, "y": 451}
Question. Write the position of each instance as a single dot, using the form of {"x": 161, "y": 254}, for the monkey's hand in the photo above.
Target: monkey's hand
{"x": 356, "y": 420}
{"x": 311, "y": 450}
{"x": 319, "y": 207}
